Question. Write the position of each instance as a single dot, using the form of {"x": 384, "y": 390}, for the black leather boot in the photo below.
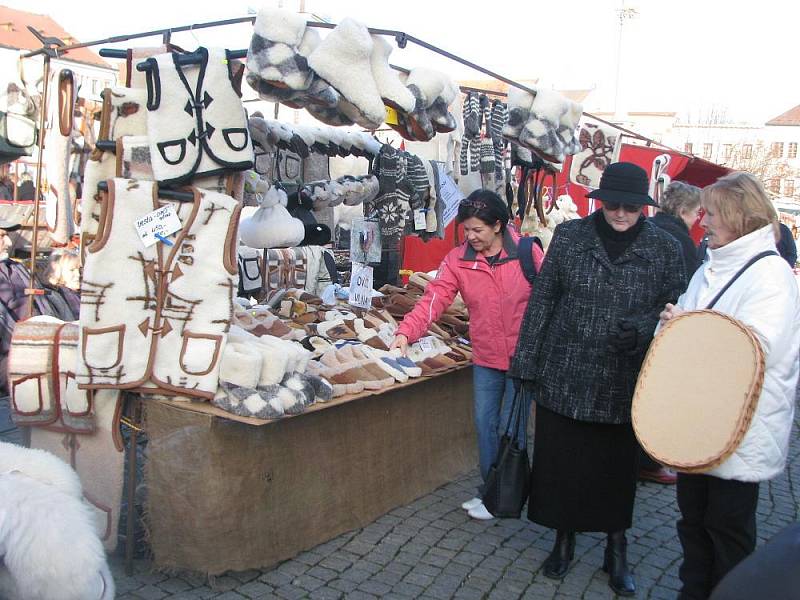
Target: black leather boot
{"x": 558, "y": 563}
{"x": 620, "y": 577}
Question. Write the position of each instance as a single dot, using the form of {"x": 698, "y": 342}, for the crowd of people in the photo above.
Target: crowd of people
{"x": 574, "y": 338}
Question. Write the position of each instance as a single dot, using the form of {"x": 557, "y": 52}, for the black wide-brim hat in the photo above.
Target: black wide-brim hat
{"x": 625, "y": 183}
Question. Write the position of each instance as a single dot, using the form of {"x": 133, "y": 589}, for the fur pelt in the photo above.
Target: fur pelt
{"x": 48, "y": 544}
{"x": 343, "y": 60}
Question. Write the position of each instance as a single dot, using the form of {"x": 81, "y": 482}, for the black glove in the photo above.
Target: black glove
{"x": 623, "y": 336}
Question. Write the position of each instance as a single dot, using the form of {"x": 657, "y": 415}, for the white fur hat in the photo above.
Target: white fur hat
{"x": 343, "y": 60}
{"x": 271, "y": 226}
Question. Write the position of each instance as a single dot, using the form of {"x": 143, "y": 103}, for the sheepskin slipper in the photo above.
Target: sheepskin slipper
{"x": 323, "y": 390}
{"x": 439, "y": 110}
{"x": 343, "y": 381}
{"x": 343, "y": 60}
{"x": 301, "y": 386}
{"x": 391, "y": 89}
{"x": 519, "y": 108}
{"x": 387, "y": 364}
{"x": 240, "y": 365}
{"x": 247, "y": 402}
{"x": 273, "y": 56}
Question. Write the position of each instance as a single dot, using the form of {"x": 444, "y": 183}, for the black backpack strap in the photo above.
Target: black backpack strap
{"x": 747, "y": 265}
{"x": 525, "y": 253}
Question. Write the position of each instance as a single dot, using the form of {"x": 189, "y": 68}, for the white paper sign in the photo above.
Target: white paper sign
{"x": 426, "y": 344}
{"x": 419, "y": 219}
{"x": 450, "y": 195}
{"x": 361, "y": 286}
{"x": 162, "y": 222}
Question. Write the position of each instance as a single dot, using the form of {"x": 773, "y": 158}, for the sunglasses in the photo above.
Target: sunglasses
{"x": 628, "y": 208}
{"x": 474, "y": 203}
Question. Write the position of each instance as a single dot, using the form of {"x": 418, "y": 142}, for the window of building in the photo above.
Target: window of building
{"x": 792, "y": 150}
{"x": 777, "y": 149}
{"x": 788, "y": 187}
{"x": 775, "y": 186}
{"x": 687, "y": 147}
{"x": 727, "y": 150}
{"x": 707, "y": 150}
{"x": 747, "y": 151}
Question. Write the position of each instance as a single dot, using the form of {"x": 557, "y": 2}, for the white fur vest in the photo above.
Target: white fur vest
{"x": 158, "y": 317}
{"x": 195, "y": 118}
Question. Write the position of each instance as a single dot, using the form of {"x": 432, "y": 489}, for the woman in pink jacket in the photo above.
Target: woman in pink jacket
{"x": 486, "y": 270}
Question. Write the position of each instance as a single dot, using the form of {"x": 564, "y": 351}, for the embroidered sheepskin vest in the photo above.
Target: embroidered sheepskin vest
{"x": 158, "y": 317}
{"x": 196, "y": 122}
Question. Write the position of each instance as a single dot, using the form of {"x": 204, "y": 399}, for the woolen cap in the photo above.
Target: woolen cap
{"x": 625, "y": 183}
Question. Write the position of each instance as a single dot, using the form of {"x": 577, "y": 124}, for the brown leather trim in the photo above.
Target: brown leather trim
{"x": 116, "y": 434}
{"x": 15, "y": 383}
{"x": 87, "y": 331}
{"x": 105, "y": 123}
{"x": 230, "y": 258}
{"x": 187, "y": 335}
{"x": 89, "y": 404}
{"x": 118, "y": 157}
{"x": 106, "y": 215}
{"x": 66, "y": 102}
{"x": 106, "y": 509}
{"x": 55, "y": 371}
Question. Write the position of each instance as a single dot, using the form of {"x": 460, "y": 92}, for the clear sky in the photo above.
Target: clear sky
{"x": 678, "y": 55}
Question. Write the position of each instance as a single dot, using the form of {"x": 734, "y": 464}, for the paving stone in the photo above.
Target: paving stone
{"x": 376, "y": 588}
{"x": 326, "y": 593}
{"x": 150, "y": 592}
{"x": 291, "y": 593}
{"x": 255, "y": 589}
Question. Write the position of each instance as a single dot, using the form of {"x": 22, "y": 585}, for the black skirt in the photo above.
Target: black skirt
{"x": 584, "y": 474}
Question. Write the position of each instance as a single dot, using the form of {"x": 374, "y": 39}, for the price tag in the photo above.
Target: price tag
{"x": 426, "y": 344}
{"x": 419, "y": 219}
{"x": 387, "y": 335}
{"x": 361, "y": 286}
{"x": 157, "y": 225}
{"x": 391, "y": 116}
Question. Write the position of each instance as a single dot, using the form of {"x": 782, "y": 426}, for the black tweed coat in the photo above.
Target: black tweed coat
{"x": 578, "y": 297}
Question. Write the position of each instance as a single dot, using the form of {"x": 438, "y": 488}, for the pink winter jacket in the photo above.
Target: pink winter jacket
{"x": 495, "y": 296}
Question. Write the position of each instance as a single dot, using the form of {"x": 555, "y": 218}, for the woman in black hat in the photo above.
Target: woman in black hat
{"x": 588, "y": 324}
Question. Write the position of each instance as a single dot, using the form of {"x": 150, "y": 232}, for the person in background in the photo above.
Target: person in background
{"x": 786, "y": 245}
{"x": 717, "y": 528}
{"x": 588, "y": 324}
{"x": 63, "y": 281}
{"x": 679, "y": 210}
{"x": 486, "y": 270}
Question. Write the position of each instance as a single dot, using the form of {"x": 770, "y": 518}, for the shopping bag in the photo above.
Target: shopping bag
{"x": 507, "y": 484}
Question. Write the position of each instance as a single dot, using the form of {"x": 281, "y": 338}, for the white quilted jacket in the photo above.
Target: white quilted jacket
{"x": 766, "y": 299}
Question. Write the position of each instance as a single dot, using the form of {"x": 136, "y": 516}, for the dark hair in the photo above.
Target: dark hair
{"x": 486, "y": 206}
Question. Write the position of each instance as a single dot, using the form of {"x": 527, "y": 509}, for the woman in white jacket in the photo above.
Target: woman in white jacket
{"x": 717, "y": 528}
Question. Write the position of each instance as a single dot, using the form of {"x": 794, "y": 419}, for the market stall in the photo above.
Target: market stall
{"x": 276, "y": 413}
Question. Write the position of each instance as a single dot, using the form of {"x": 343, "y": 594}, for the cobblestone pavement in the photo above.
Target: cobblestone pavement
{"x": 431, "y": 549}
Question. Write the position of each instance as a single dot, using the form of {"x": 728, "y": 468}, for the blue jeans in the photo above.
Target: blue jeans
{"x": 494, "y": 395}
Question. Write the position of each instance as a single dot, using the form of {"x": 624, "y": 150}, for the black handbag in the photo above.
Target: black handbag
{"x": 508, "y": 482}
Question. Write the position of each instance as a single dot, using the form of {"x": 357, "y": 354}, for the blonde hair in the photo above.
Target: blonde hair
{"x": 742, "y": 204}
{"x": 60, "y": 262}
{"x": 680, "y": 197}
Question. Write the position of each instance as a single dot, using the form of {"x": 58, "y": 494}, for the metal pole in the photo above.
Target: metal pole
{"x": 35, "y": 241}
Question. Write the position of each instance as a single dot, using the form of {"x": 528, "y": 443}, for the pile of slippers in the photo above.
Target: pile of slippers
{"x": 305, "y": 139}
{"x": 345, "y": 78}
{"x": 347, "y": 190}
{"x": 452, "y": 326}
{"x": 266, "y": 378}
{"x": 544, "y": 123}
